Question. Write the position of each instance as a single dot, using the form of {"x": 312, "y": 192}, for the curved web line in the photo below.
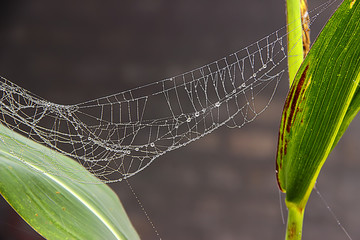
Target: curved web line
{"x": 117, "y": 136}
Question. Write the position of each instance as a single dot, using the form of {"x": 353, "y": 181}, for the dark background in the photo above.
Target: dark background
{"x": 220, "y": 187}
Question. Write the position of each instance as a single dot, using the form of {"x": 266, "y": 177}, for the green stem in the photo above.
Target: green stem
{"x": 295, "y": 222}
{"x": 295, "y": 53}
{"x": 294, "y": 30}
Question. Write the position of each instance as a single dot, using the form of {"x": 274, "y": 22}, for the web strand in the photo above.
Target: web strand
{"x": 332, "y": 213}
{"x": 117, "y": 136}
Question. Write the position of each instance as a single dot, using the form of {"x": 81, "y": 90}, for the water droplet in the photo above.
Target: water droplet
{"x": 137, "y": 149}
{"x": 234, "y": 91}
{"x": 217, "y": 104}
{"x": 264, "y": 66}
{"x": 254, "y": 75}
{"x": 282, "y": 49}
{"x": 152, "y": 144}
{"x": 197, "y": 114}
{"x": 188, "y": 119}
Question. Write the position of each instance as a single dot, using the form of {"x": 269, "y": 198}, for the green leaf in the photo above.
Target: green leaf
{"x": 320, "y": 105}
{"x": 351, "y": 112}
{"x": 56, "y": 206}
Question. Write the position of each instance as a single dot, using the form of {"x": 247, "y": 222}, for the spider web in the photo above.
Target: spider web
{"x": 117, "y": 136}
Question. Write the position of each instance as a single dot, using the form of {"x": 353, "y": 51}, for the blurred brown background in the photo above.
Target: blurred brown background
{"x": 221, "y": 187}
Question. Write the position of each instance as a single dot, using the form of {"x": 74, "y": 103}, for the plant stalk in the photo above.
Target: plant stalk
{"x": 294, "y": 38}
{"x": 298, "y": 40}
{"x": 295, "y": 222}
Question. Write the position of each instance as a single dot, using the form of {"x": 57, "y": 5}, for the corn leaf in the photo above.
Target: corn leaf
{"x": 58, "y": 207}
{"x": 320, "y": 105}
{"x": 352, "y": 111}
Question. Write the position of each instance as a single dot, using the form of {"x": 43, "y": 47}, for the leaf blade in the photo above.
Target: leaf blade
{"x": 318, "y": 102}
{"x": 57, "y": 207}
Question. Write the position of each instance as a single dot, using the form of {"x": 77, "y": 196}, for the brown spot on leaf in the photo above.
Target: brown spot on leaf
{"x": 280, "y": 152}
{"x": 305, "y": 22}
{"x": 295, "y": 97}
{"x": 278, "y": 182}
{"x": 278, "y": 177}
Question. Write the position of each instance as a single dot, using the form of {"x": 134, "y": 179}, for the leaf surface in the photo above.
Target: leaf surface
{"x": 318, "y": 103}
{"x": 56, "y": 206}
